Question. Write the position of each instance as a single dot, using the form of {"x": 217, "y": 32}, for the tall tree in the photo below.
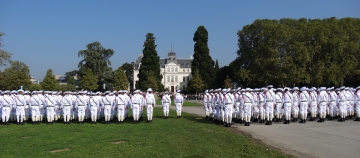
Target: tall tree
{"x": 202, "y": 59}
{"x": 195, "y": 84}
{"x": 89, "y": 81}
{"x": 217, "y": 66}
{"x": 129, "y": 70}
{"x": 149, "y": 62}
{"x": 49, "y": 81}
{"x": 4, "y": 56}
{"x": 15, "y": 76}
{"x": 97, "y": 59}
{"x": 120, "y": 80}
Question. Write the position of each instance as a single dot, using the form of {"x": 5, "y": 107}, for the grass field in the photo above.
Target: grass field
{"x": 186, "y": 103}
{"x": 186, "y": 137}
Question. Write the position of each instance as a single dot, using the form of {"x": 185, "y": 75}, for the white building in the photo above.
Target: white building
{"x": 176, "y": 72}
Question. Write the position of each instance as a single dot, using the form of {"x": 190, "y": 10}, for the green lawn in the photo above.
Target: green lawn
{"x": 186, "y": 137}
{"x": 186, "y": 103}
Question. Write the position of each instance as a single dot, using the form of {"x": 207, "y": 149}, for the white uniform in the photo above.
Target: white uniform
{"x": 322, "y": 100}
{"x": 35, "y": 104}
{"x": 357, "y": 104}
{"x": 166, "y": 102}
{"x": 27, "y": 107}
{"x": 50, "y": 102}
{"x": 313, "y": 104}
{"x": 295, "y": 105}
{"x": 269, "y": 105}
{"x": 228, "y": 101}
{"x": 6, "y": 103}
{"x": 179, "y": 101}
{"x": 150, "y": 105}
{"x": 20, "y": 103}
{"x": 206, "y": 107}
{"x": 304, "y": 103}
{"x": 278, "y": 102}
{"x": 66, "y": 105}
{"x": 332, "y": 104}
{"x": 94, "y": 106}
{"x": 80, "y": 104}
{"x": 248, "y": 102}
{"x": 108, "y": 103}
{"x": 287, "y": 100}
{"x": 120, "y": 102}
{"x": 261, "y": 99}
{"x": 136, "y": 102}
{"x": 342, "y": 104}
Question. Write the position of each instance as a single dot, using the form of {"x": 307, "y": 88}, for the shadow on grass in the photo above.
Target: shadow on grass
{"x": 198, "y": 119}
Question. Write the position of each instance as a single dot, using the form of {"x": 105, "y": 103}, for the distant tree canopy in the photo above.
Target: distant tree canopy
{"x": 97, "y": 59}
{"x": 290, "y": 52}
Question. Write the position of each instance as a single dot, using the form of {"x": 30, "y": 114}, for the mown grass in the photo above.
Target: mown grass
{"x": 186, "y": 103}
{"x": 189, "y": 136}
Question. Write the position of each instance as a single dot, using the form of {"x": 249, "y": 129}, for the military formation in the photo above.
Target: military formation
{"x": 269, "y": 104}
{"x": 47, "y": 106}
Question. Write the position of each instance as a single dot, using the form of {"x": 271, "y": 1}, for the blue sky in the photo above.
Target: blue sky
{"x": 48, "y": 34}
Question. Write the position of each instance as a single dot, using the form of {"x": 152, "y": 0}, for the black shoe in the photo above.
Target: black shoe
{"x": 357, "y": 119}
{"x": 248, "y": 124}
{"x": 285, "y": 122}
{"x": 267, "y": 123}
{"x": 331, "y": 118}
{"x": 320, "y": 120}
{"x": 288, "y": 122}
{"x": 241, "y": 121}
{"x": 340, "y": 120}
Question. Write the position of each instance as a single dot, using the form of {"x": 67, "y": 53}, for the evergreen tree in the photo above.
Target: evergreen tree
{"x": 195, "y": 84}
{"x": 149, "y": 62}
{"x": 202, "y": 59}
{"x": 89, "y": 81}
{"x": 120, "y": 80}
{"x": 49, "y": 83}
{"x": 129, "y": 71}
{"x": 217, "y": 68}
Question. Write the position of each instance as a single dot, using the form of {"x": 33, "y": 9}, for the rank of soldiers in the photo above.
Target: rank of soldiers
{"x": 268, "y": 104}
{"x": 22, "y": 106}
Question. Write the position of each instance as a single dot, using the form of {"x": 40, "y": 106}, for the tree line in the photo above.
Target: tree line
{"x": 289, "y": 52}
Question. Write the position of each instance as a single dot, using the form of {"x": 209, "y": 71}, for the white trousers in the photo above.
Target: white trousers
{"x": 166, "y": 109}
{"x": 149, "y": 111}
{"x": 50, "y": 113}
{"x": 136, "y": 111}
{"x": 121, "y": 112}
{"x": 179, "y": 107}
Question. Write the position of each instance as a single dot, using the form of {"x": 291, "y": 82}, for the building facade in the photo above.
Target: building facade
{"x": 176, "y": 72}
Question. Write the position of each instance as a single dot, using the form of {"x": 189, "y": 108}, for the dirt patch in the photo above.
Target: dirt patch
{"x": 198, "y": 118}
{"x": 118, "y": 142}
{"x": 60, "y": 150}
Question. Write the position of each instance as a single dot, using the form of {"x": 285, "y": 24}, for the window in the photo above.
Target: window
{"x": 172, "y": 78}
{"x": 188, "y": 79}
{"x": 167, "y": 70}
{"x": 168, "y": 78}
{"x": 176, "y": 69}
{"x": 188, "y": 70}
{"x": 172, "y": 69}
{"x": 175, "y": 78}
{"x": 183, "y": 79}
{"x": 183, "y": 70}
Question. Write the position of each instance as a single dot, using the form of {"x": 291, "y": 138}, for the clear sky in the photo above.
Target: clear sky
{"x": 48, "y": 34}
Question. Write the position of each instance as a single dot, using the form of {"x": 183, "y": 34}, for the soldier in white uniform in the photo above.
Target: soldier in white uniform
{"x": 255, "y": 107}
{"x": 166, "y": 102}
{"x": 120, "y": 102}
{"x": 278, "y": 104}
{"x": 304, "y": 103}
{"x": 136, "y": 102}
{"x": 332, "y": 103}
{"x": 228, "y": 101}
{"x": 313, "y": 103}
{"x": 248, "y": 102}
{"x": 6, "y": 103}
{"x": 13, "y": 108}
{"x": 66, "y": 105}
{"x": 295, "y": 105}
{"x": 179, "y": 101}
{"x": 150, "y": 104}
{"x": 20, "y": 103}
{"x": 237, "y": 105}
{"x": 108, "y": 103}
{"x": 342, "y": 104}
{"x": 35, "y": 104}
{"x": 205, "y": 102}
{"x": 287, "y": 100}
{"x": 269, "y": 111}
{"x": 27, "y": 106}
{"x": 50, "y": 103}
{"x": 42, "y": 106}
{"x": 94, "y": 106}
{"x": 262, "y": 108}
{"x": 80, "y": 104}
{"x": 322, "y": 100}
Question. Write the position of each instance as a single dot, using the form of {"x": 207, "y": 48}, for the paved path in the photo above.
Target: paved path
{"x": 329, "y": 139}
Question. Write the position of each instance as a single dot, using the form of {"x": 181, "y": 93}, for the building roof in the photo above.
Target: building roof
{"x": 183, "y": 63}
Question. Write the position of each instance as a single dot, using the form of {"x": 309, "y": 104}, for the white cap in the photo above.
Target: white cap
{"x": 20, "y": 90}
{"x": 149, "y": 90}
{"x": 206, "y": 91}
{"x": 178, "y": 91}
